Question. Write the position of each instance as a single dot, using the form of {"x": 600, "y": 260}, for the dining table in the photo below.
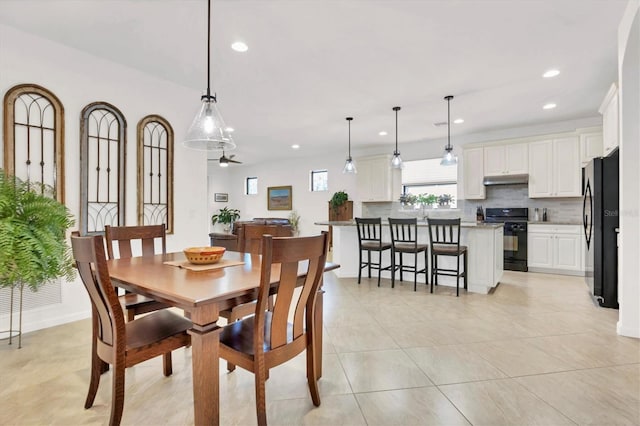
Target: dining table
{"x": 202, "y": 295}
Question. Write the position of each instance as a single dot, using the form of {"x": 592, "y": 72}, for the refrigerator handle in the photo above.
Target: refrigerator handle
{"x": 588, "y": 226}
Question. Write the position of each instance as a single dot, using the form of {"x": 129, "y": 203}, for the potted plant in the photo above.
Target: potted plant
{"x": 427, "y": 200}
{"x": 408, "y": 199}
{"x": 340, "y": 208}
{"x": 444, "y": 200}
{"x": 33, "y": 244}
{"x": 33, "y": 225}
{"x": 226, "y": 216}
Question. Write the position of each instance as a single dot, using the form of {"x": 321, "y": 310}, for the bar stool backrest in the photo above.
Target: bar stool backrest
{"x": 369, "y": 229}
{"x": 404, "y": 231}
{"x": 444, "y": 232}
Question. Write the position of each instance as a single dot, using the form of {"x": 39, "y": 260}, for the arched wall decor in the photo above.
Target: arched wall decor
{"x": 155, "y": 172}
{"x": 34, "y": 136}
{"x": 103, "y": 141}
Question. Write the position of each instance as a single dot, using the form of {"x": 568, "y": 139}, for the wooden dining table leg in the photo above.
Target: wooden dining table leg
{"x": 205, "y": 341}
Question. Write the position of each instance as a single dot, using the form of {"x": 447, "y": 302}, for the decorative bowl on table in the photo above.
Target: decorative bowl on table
{"x": 204, "y": 255}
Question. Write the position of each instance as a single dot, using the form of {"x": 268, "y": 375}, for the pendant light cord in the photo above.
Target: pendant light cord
{"x": 396, "y": 109}
{"x": 448, "y": 98}
{"x": 208, "y": 96}
{"x": 448, "y": 123}
{"x": 350, "y": 138}
{"x": 209, "y": 49}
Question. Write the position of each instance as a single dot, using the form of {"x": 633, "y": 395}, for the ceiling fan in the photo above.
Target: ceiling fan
{"x": 224, "y": 160}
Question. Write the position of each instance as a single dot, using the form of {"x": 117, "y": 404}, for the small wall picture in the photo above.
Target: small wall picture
{"x": 220, "y": 197}
{"x": 279, "y": 198}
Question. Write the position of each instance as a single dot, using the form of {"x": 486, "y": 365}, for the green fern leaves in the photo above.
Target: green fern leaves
{"x": 33, "y": 246}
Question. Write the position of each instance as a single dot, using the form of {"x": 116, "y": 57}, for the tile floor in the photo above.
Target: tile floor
{"x": 536, "y": 351}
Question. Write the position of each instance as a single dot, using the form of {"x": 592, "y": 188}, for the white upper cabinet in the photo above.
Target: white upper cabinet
{"x": 555, "y": 168}
{"x": 473, "y": 173}
{"x": 540, "y": 169}
{"x": 377, "y": 181}
{"x": 512, "y": 159}
{"x": 609, "y": 111}
{"x": 590, "y": 147}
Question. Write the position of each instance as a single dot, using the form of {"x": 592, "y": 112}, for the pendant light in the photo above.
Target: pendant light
{"x": 448, "y": 159}
{"x": 396, "y": 161}
{"x": 208, "y": 131}
{"x": 349, "y": 165}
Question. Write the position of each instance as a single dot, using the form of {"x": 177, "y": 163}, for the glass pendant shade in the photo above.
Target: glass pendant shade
{"x": 349, "y": 165}
{"x": 448, "y": 159}
{"x": 207, "y": 131}
{"x": 396, "y": 161}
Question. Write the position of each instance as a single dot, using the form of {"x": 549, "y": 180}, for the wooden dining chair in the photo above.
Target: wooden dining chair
{"x": 122, "y": 238}
{"x": 250, "y": 241}
{"x": 266, "y": 339}
{"x": 114, "y": 341}
{"x": 404, "y": 240}
{"x": 250, "y": 236}
{"x": 444, "y": 238}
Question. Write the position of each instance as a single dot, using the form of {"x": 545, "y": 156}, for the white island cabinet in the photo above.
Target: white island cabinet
{"x": 485, "y": 251}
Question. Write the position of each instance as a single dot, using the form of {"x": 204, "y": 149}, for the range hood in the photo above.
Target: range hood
{"x": 506, "y": 180}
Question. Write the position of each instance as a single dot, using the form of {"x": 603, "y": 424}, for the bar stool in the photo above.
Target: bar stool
{"x": 370, "y": 239}
{"x": 404, "y": 239}
{"x": 444, "y": 238}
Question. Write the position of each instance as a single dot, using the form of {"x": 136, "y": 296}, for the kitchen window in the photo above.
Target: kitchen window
{"x": 251, "y": 186}
{"x": 429, "y": 177}
{"x": 319, "y": 180}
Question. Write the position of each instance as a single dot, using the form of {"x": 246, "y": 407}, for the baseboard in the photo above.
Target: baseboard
{"x": 627, "y": 331}
{"x": 556, "y": 271}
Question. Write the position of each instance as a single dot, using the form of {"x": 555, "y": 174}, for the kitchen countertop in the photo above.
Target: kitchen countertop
{"x": 420, "y": 224}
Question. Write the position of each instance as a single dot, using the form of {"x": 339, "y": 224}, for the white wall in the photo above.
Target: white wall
{"x": 311, "y": 206}
{"x": 629, "y": 254}
{"x": 78, "y": 79}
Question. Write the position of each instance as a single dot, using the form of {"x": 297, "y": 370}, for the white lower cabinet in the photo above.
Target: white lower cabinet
{"x": 555, "y": 248}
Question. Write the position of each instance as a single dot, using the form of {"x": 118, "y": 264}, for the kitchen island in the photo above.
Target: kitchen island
{"x": 485, "y": 252}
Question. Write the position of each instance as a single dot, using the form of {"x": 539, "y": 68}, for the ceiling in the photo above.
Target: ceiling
{"x": 311, "y": 63}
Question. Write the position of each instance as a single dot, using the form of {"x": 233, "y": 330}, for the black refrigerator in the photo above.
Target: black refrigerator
{"x": 600, "y": 220}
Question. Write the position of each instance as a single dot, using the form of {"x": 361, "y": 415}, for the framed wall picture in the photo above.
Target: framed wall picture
{"x": 279, "y": 198}
{"x": 220, "y": 197}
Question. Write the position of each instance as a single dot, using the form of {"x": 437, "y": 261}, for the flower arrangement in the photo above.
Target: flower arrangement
{"x": 294, "y": 219}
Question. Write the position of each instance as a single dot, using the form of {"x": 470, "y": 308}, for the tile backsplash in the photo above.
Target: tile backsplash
{"x": 563, "y": 210}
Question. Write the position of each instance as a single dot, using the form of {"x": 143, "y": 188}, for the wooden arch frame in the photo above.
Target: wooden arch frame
{"x": 9, "y": 134}
{"x": 142, "y": 126}
{"x": 85, "y": 115}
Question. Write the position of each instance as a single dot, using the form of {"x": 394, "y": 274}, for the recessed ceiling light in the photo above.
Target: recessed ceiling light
{"x": 240, "y": 46}
{"x": 382, "y": 133}
{"x": 295, "y": 146}
{"x": 230, "y": 129}
{"x": 550, "y": 73}
{"x": 458, "y": 121}
{"x": 549, "y": 106}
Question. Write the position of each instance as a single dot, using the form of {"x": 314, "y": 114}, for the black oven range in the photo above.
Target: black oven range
{"x": 515, "y": 235}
